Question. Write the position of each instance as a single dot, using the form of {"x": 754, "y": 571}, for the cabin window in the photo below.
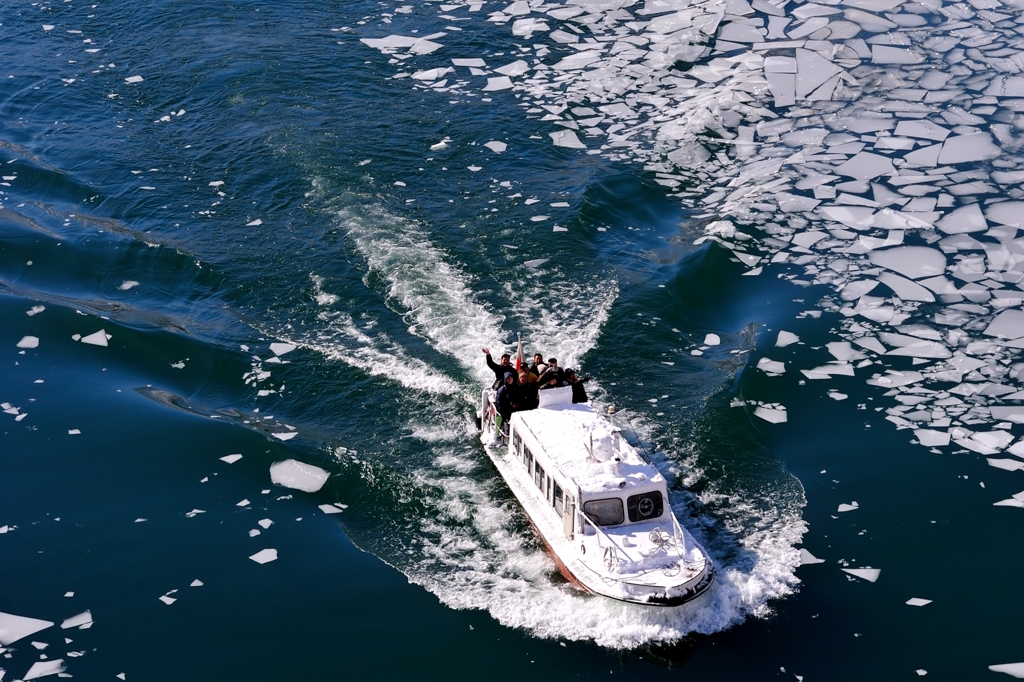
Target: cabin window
{"x": 516, "y": 442}
{"x": 558, "y": 497}
{"x": 528, "y": 460}
{"x": 538, "y": 477}
{"x": 645, "y": 506}
{"x": 604, "y": 512}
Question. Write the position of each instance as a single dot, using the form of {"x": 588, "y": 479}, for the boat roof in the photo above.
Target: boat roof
{"x": 564, "y": 430}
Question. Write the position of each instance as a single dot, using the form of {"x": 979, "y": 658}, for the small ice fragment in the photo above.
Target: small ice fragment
{"x": 141, "y": 520}
{"x": 712, "y": 340}
{"x": 771, "y": 367}
{"x": 216, "y": 183}
{"x": 496, "y": 147}
{"x": 807, "y": 558}
{"x": 194, "y": 512}
{"x": 264, "y": 556}
{"x": 931, "y": 438}
{"x": 69, "y": 594}
{"x": 243, "y": 503}
{"x": 474, "y": 169}
{"x": 917, "y": 601}
{"x": 786, "y": 339}
{"x": 436, "y": 147}
{"x": 35, "y": 310}
{"x": 127, "y": 284}
{"x": 97, "y": 338}
{"x": 496, "y": 83}
{"x": 329, "y": 509}
{"x": 965, "y": 148}
{"x": 298, "y": 475}
{"x": 48, "y": 27}
{"x": 264, "y": 523}
{"x": 28, "y": 342}
{"x": 253, "y": 533}
{"x": 74, "y": 432}
{"x": 196, "y": 583}
{"x": 282, "y": 348}
{"x": 44, "y": 668}
{"x": 120, "y": 676}
{"x": 133, "y": 79}
{"x": 40, "y": 645}
{"x": 848, "y": 507}
{"x": 13, "y": 628}
{"x": 255, "y": 223}
{"x": 168, "y": 600}
{"x": 230, "y": 459}
{"x": 288, "y": 435}
{"x": 869, "y": 574}
{"x": 82, "y": 619}
{"x": 865, "y": 166}
{"x": 921, "y": 672}
{"x": 537, "y": 262}
{"x": 1011, "y": 669}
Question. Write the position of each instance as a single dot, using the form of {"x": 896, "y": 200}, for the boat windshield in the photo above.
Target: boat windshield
{"x": 604, "y": 512}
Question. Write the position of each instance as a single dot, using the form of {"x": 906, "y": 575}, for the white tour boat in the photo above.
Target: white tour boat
{"x": 599, "y": 507}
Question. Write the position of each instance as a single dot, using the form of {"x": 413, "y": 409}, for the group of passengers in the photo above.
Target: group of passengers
{"x": 521, "y": 390}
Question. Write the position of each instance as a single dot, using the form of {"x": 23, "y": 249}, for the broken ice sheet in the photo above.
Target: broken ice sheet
{"x": 774, "y": 415}
{"x": 230, "y": 459}
{"x": 13, "y": 628}
{"x": 99, "y": 338}
{"x": 287, "y": 435}
{"x": 786, "y": 339}
{"x": 914, "y": 262}
{"x": 82, "y": 621}
{"x": 1011, "y": 669}
{"x": 566, "y": 138}
{"x": 44, "y": 668}
{"x": 264, "y": 556}
{"x": 848, "y": 507}
{"x": 771, "y": 367}
{"x": 867, "y": 573}
{"x": 298, "y": 475}
{"x": 807, "y": 558}
{"x": 28, "y": 342}
{"x": 282, "y": 348}
{"x": 917, "y": 601}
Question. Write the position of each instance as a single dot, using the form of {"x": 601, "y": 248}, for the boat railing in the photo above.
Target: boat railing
{"x": 612, "y": 550}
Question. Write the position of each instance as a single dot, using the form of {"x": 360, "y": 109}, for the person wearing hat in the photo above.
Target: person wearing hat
{"x": 579, "y": 393}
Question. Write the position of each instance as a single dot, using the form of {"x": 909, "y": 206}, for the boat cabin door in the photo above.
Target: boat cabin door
{"x": 569, "y": 519}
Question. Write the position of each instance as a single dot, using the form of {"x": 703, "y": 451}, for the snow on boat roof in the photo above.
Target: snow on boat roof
{"x": 565, "y": 429}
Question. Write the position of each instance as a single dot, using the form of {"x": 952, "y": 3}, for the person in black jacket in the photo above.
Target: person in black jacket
{"x": 499, "y": 370}
{"x": 579, "y": 393}
{"x": 552, "y": 376}
{"x": 505, "y": 399}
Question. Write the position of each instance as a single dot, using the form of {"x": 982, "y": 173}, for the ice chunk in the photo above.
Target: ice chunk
{"x": 771, "y": 367}
{"x": 848, "y": 507}
{"x": 44, "y": 668}
{"x": 1006, "y": 464}
{"x": 566, "y": 138}
{"x": 496, "y": 147}
{"x": 843, "y": 351}
{"x": 905, "y": 289}
{"x": 281, "y": 348}
{"x": 1011, "y": 414}
{"x": 167, "y": 600}
{"x": 99, "y": 338}
{"x": 127, "y": 284}
{"x": 914, "y": 262}
{"x": 807, "y": 558}
{"x": 196, "y": 583}
{"x": 1007, "y": 213}
{"x": 264, "y": 556}
{"x": 917, "y": 601}
{"x": 475, "y": 62}
{"x": 1008, "y": 324}
{"x": 771, "y": 414}
{"x": 886, "y": 54}
{"x": 496, "y": 83}
{"x": 264, "y": 523}
{"x": 13, "y": 628}
{"x": 786, "y": 339}
{"x": 329, "y": 509}
{"x": 972, "y": 147}
{"x": 82, "y": 620}
{"x": 255, "y": 223}
{"x": 536, "y": 262}
{"x": 298, "y": 475}
{"x": 1011, "y": 669}
{"x": 35, "y": 310}
{"x": 931, "y": 438}
{"x": 869, "y": 574}
{"x": 133, "y": 79}
{"x": 812, "y": 71}
{"x": 230, "y": 459}
{"x": 964, "y": 219}
{"x": 516, "y": 68}
{"x": 28, "y": 342}
{"x": 712, "y": 340}
{"x": 923, "y": 129}
{"x": 865, "y": 166}
{"x": 287, "y": 435}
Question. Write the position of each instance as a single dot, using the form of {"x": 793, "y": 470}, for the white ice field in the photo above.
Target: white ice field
{"x": 870, "y": 145}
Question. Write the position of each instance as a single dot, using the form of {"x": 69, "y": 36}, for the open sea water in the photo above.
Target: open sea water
{"x": 782, "y": 236}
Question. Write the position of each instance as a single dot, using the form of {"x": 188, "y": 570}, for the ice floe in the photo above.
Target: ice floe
{"x": 917, "y": 601}
{"x": 869, "y": 574}
{"x": 13, "y": 628}
{"x": 264, "y": 556}
{"x": 298, "y": 475}
{"x": 1011, "y": 669}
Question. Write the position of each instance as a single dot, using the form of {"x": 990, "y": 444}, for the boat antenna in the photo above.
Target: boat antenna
{"x": 637, "y": 437}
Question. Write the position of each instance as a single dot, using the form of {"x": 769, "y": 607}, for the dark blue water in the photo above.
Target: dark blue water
{"x": 272, "y": 179}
